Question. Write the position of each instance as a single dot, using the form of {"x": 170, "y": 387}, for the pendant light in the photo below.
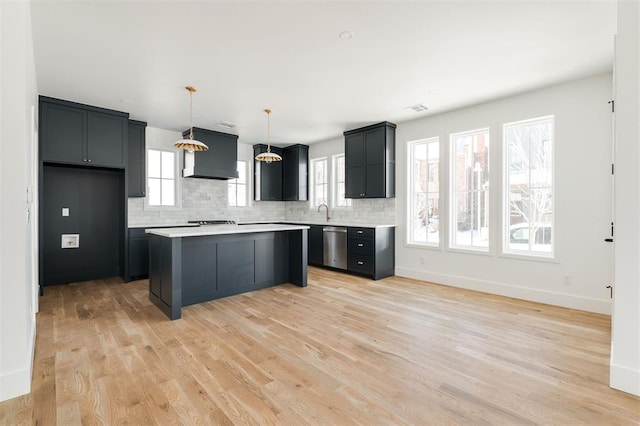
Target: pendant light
{"x": 268, "y": 157}
{"x": 191, "y": 144}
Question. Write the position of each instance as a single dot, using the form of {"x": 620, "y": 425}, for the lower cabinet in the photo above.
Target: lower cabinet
{"x": 138, "y": 254}
{"x": 371, "y": 251}
{"x": 315, "y": 245}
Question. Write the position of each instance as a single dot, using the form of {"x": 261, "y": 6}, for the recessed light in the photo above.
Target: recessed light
{"x": 417, "y": 107}
{"x": 345, "y": 35}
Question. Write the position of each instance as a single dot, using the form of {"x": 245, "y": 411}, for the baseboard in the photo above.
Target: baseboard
{"x": 18, "y": 382}
{"x": 517, "y": 292}
{"x": 624, "y": 379}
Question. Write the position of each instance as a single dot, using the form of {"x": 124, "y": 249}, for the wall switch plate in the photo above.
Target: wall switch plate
{"x": 65, "y": 211}
{"x": 70, "y": 241}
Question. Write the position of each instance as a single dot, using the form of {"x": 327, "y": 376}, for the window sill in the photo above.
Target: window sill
{"x": 465, "y": 250}
{"x": 436, "y": 247}
{"x": 529, "y": 257}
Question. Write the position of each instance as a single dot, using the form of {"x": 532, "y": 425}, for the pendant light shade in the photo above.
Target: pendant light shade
{"x": 268, "y": 157}
{"x": 191, "y": 144}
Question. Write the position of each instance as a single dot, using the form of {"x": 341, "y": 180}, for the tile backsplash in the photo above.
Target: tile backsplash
{"x": 367, "y": 211}
{"x": 204, "y": 199}
{"x": 207, "y": 199}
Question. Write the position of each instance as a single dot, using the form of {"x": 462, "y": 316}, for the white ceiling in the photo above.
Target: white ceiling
{"x": 244, "y": 56}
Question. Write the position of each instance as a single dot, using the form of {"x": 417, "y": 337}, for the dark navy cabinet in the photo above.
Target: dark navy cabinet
{"x": 285, "y": 180}
{"x": 267, "y": 182}
{"x": 295, "y": 173}
{"x": 315, "y": 245}
{"x": 370, "y": 161}
{"x": 72, "y": 133}
{"x": 137, "y": 159}
{"x": 219, "y": 162}
{"x": 371, "y": 251}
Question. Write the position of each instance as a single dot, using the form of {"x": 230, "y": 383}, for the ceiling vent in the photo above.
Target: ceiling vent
{"x": 226, "y": 125}
{"x": 417, "y": 107}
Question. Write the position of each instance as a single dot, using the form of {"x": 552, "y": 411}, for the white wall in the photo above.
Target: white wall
{"x": 625, "y": 345}
{"x": 18, "y": 98}
{"x": 582, "y": 199}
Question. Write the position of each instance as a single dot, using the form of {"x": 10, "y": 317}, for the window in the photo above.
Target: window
{"x": 319, "y": 182}
{"x": 470, "y": 190}
{"x": 238, "y": 194}
{"x": 161, "y": 181}
{"x": 528, "y": 147}
{"x": 338, "y": 182}
{"x": 424, "y": 192}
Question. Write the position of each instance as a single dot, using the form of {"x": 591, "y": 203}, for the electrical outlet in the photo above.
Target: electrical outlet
{"x": 566, "y": 279}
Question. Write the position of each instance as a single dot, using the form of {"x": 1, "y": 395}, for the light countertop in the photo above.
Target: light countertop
{"x": 204, "y": 230}
{"x": 263, "y": 222}
{"x": 334, "y": 223}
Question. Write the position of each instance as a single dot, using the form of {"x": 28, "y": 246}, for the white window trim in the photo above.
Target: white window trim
{"x": 177, "y": 174}
{"x": 312, "y": 182}
{"x": 451, "y": 221}
{"x": 410, "y": 193}
{"x": 505, "y": 231}
{"x": 247, "y": 184}
{"x": 333, "y": 185}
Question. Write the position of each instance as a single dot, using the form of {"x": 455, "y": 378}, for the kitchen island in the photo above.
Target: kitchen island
{"x": 195, "y": 265}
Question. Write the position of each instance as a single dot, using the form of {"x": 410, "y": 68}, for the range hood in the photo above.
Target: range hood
{"x": 219, "y": 162}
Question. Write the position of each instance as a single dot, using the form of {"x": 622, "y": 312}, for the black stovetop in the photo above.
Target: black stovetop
{"x": 214, "y": 222}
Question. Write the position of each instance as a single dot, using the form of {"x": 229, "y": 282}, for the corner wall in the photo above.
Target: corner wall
{"x": 625, "y": 344}
{"x": 582, "y": 199}
{"x": 18, "y": 99}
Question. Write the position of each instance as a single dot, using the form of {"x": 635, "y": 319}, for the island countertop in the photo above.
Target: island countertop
{"x": 204, "y": 230}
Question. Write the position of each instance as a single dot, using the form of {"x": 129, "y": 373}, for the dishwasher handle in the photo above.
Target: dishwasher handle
{"x": 334, "y": 229}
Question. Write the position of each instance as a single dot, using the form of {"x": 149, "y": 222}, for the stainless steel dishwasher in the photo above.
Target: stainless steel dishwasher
{"x": 334, "y": 246}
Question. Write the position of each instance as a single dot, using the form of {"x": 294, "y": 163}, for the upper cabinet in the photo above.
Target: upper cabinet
{"x": 285, "y": 180}
{"x": 220, "y": 161}
{"x": 72, "y": 133}
{"x": 267, "y": 183}
{"x": 370, "y": 161}
{"x": 136, "y": 161}
{"x": 295, "y": 173}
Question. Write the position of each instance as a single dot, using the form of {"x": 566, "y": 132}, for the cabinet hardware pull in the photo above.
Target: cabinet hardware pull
{"x": 360, "y": 232}
{"x": 360, "y": 245}
{"x": 360, "y": 262}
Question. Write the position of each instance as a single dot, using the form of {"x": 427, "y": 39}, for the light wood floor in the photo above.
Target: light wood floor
{"x": 344, "y": 350}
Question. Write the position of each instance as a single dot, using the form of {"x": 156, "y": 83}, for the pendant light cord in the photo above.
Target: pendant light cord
{"x": 268, "y": 111}
{"x": 190, "y": 113}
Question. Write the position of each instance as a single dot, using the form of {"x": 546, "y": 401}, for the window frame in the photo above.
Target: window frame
{"x": 312, "y": 182}
{"x": 411, "y": 192}
{"x": 235, "y": 182}
{"x": 177, "y": 189}
{"x": 506, "y": 198}
{"x": 452, "y": 221}
{"x": 334, "y": 184}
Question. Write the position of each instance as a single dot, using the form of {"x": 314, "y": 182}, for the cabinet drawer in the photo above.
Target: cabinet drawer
{"x": 362, "y": 232}
{"x": 361, "y": 246}
{"x": 360, "y": 264}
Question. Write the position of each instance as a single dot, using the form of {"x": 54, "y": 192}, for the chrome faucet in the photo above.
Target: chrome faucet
{"x": 323, "y": 204}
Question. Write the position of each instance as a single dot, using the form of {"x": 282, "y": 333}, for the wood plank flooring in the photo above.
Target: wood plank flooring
{"x": 344, "y": 350}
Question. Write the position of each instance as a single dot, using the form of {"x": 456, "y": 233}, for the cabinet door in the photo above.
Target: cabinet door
{"x": 136, "y": 160}
{"x": 272, "y": 181}
{"x": 374, "y": 162}
{"x": 138, "y": 253}
{"x": 106, "y": 139}
{"x": 354, "y": 182}
{"x": 315, "y": 243}
{"x": 268, "y": 176}
{"x": 62, "y": 133}
{"x": 354, "y": 149}
{"x": 295, "y": 171}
